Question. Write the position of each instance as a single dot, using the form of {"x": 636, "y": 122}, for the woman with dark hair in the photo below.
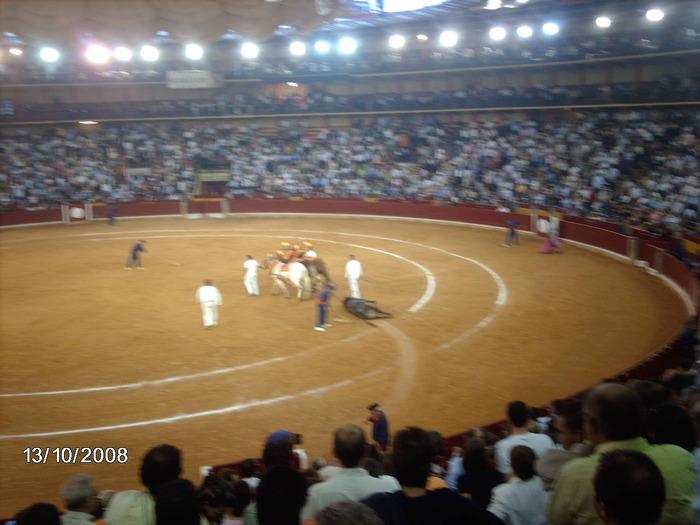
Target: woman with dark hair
{"x": 215, "y": 496}
{"x": 479, "y": 475}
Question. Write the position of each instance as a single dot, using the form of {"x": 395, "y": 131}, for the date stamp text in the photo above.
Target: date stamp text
{"x": 43, "y": 455}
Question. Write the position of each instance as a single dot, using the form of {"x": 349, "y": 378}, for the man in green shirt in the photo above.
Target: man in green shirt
{"x": 614, "y": 419}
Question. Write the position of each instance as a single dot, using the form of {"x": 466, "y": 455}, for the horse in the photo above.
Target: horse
{"x": 317, "y": 269}
{"x": 289, "y": 275}
{"x": 363, "y": 309}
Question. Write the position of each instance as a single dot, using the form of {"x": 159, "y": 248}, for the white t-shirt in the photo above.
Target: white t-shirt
{"x": 539, "y": 443}
{"x": 353, "y": 269}
{"x": 208, "y": 293}
{"x": 251, "y": 267}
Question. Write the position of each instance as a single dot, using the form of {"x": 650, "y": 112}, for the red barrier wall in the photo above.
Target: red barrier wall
{"x": 602, "y": 238}
{"x": 16, "y": 217}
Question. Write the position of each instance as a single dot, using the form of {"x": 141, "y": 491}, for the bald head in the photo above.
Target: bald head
{"x": 614, "y": 412}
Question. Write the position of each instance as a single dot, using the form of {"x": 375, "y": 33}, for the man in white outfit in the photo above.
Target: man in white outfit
{"x": 250, "y": 280}
{"x": 353, "y": 273}
{"x": 209, "y": 298}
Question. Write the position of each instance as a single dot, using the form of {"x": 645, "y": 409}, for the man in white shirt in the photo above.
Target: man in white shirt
{"x": 519, "y": 418}
{"x": 209, "y": 298}
{"x": 353, "y": 273}
{"x": 250, "y": 279}
{"x": 352, "y": 482}
{"x": 80, "y": 497}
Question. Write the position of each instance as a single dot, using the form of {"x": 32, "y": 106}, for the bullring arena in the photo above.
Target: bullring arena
{"x": 96, "y": 357}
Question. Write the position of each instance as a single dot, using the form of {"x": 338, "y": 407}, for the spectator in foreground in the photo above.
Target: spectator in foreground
{"x": 136, "y": 507}
{"x": 629, "y": 488}
{"x": 479, "y": 476}
{"x": 414, "y": 504}
{"x": 521, "y": 420}
{"x": 80, "y": 497}
{"x": 39, "y": 514}
{"x": 353, "y": 482}
{"x": 568, "y": 429}
{"x": 614, "y": 419}
{"x": 347, "y": 512}
{"x": 523, "y": 500}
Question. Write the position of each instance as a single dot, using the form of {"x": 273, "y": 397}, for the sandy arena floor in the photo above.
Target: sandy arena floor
{"x": 98, "y": 358}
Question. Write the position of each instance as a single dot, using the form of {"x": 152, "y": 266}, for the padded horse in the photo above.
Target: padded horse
{"x": 317, "y": 269}
{"x": 292, "y": 275}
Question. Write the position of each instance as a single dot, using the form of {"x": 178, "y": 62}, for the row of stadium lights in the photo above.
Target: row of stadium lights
{"x": 98, "y": 54}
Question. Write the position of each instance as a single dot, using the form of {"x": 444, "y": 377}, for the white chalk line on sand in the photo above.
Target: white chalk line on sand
{"x": 216, "y": 412}
{"x": 407, "y": 362}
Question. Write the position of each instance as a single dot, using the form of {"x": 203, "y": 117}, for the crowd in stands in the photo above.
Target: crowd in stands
{"x": 371, "y": 58}
{"x": 320, "y": 100}
{"x": 634, "y": 167}
{"x": 620, "y": 454}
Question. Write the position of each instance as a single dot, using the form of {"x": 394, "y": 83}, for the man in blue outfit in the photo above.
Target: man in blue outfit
{"x": 134, "y": 259}
{"x": 322, "y": 299}
{"x": 512, "y": 234}
{"x": 380, "y": 426}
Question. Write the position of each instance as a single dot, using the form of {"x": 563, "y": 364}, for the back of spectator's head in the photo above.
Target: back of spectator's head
{"x": 518, "y": 413}
{"x": 248, "y": 468}
{"x": 349, "y": 445}
{"x": 613, "y": 412}
{"x": 671, "y": 424}
{"x": 278, "y": 454}
{"x": 176, "y": 503}
{"x": 160, "y": 464}
{"x": 242, "y": 496}
{"x": 347, "y": 512}
{"x": 79, "y": 493}
{"x": 629, "y": 488}
{"x": 651, "y": 393}
{"x": 475, "y": 456}
{"x": 280, "y": 496}
{"x": 438, "y": 442}
{"x": 412, "y": 456}
{"x": 318, "y": 463}
{"x": 214, "y": 497}
{"x": 371, "y": 465}
{"x": 522, "y": 459}
{"x": 39, "y": 514}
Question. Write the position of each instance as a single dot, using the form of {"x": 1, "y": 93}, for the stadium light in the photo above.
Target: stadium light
{"x": 297, "y": 48}
{"x": 524, "y": 31}
{"x": 149, "y": 53}
{"x": 322, "y": 47}
{"x": 123, "y": 54}
{"x": 497, "y": 33}
{"x": 49, "y": 54}
{"x": 397, "y": 41}
{"x": 347, "y": 45}
{"x": 550, "y": 28}
{"x": 655, "y": 15}
{"x": 448, "y": 38}
{"x": 194, "y": 51}
{"x": 422, "y": 37}
{"x": 15, "y": 51}
{"x": 250, "y": 50}
{"x": 97, "y": 54}
{"x": 603, "y": 21}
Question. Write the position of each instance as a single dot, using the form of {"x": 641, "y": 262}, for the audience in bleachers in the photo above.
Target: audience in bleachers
{"x": 614, "y": 419}
{"x": 628, "y": 166}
